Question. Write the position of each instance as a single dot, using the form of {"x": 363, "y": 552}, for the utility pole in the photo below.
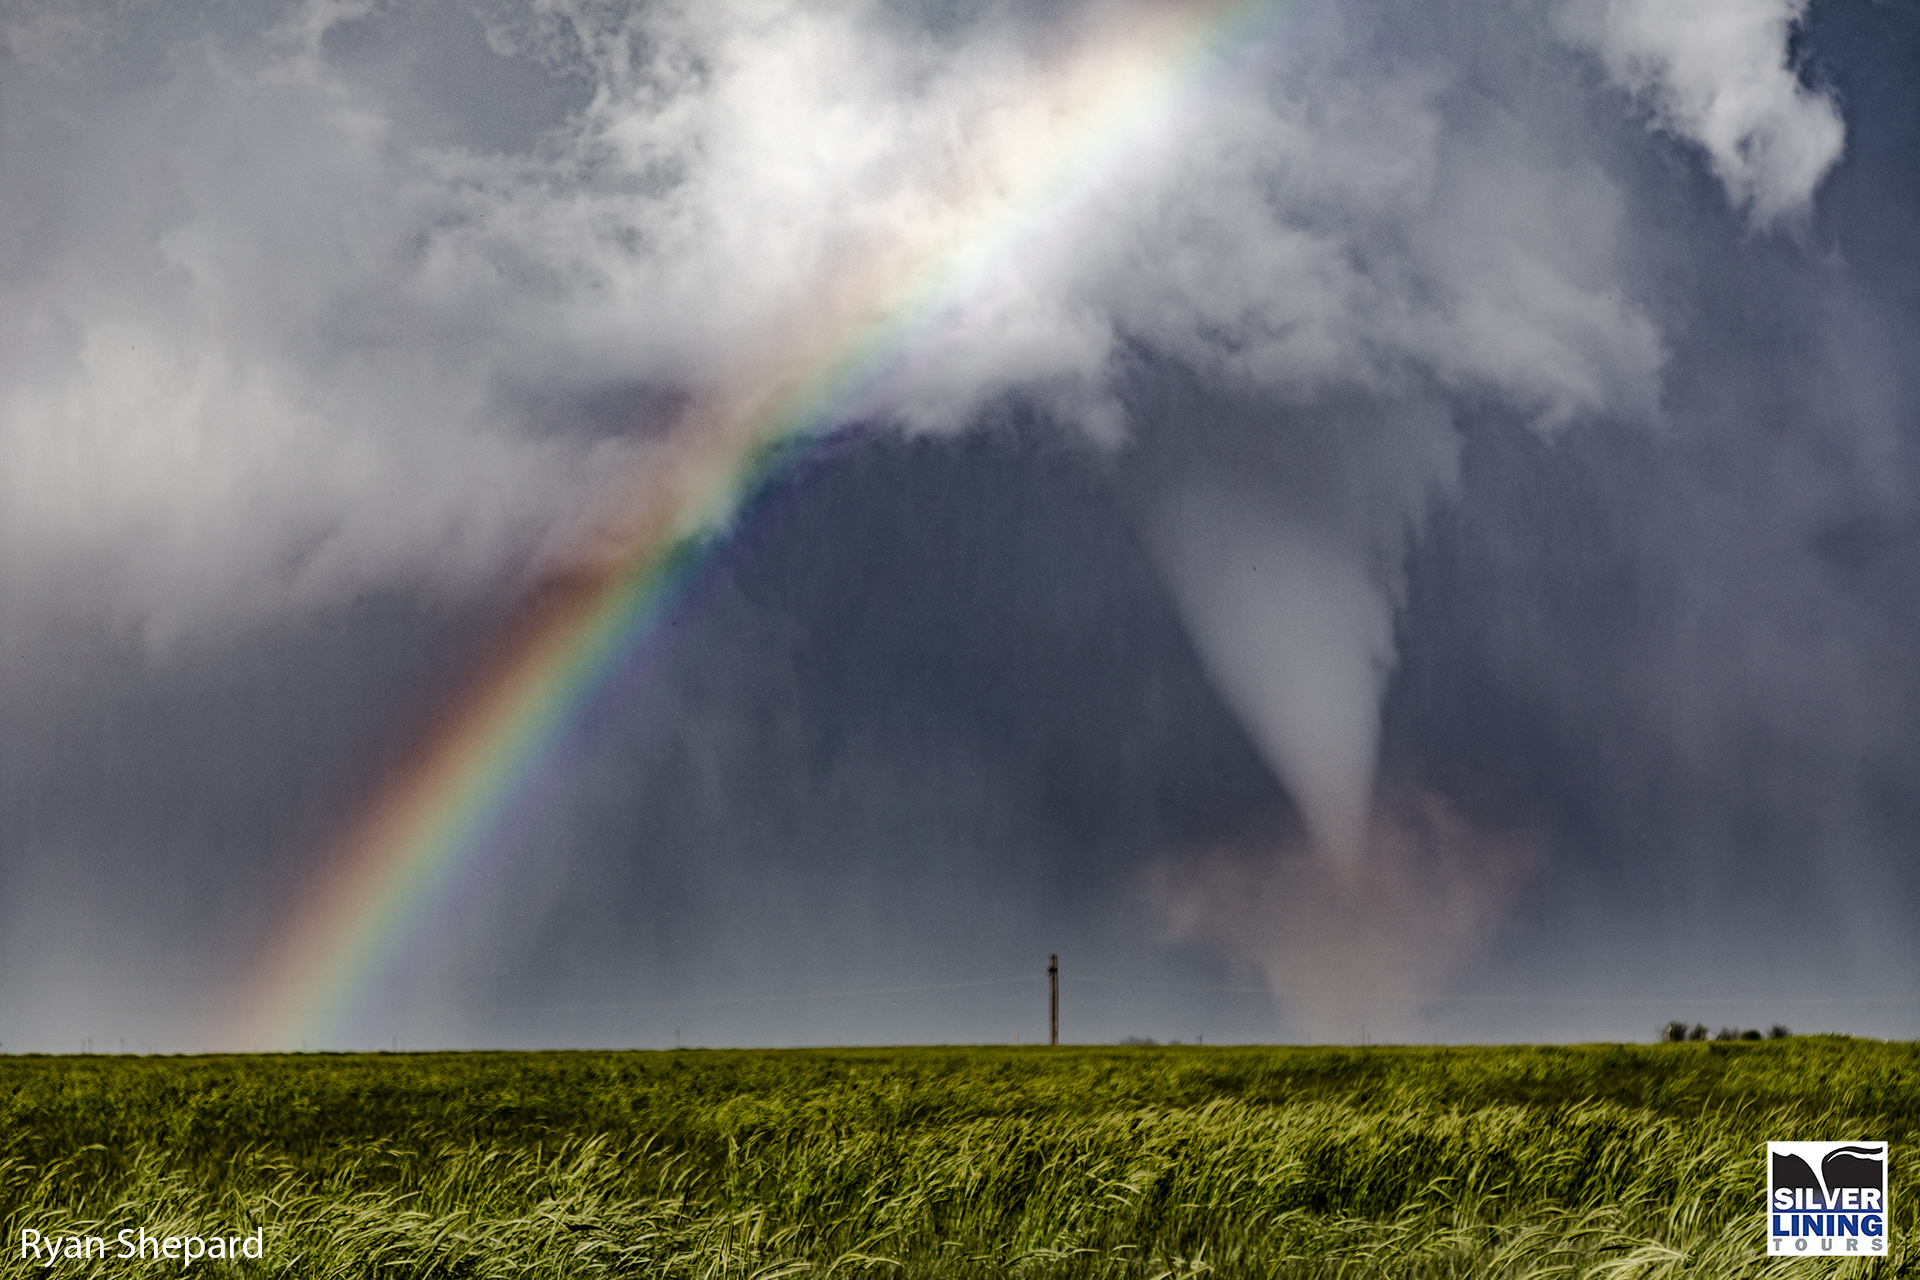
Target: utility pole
{"x": 1053, "y": 999}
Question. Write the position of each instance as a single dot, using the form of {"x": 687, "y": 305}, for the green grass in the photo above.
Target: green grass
{"x": 1600, "y": 1161}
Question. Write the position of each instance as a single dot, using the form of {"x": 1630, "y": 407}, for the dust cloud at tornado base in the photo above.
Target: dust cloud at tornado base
{"x": 1435, "y": 551}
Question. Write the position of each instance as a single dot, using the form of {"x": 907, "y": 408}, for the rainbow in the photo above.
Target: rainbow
{"x": 480, "y": 772}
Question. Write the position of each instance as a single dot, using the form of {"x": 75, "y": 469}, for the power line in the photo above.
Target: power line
{"x": 1760, "y": 1000}
{"x": 1053, "y": 977}
{"x": 762, "y": 999}
{"x": 1175, "y": 986}
{"x": 1574, "y": 1000}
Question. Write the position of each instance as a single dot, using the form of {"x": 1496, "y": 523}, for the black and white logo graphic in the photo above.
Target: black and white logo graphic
{"x": 1827, "y": 1197}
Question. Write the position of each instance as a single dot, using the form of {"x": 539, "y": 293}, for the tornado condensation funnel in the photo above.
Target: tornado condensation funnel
{"x": 1297, "y": 637}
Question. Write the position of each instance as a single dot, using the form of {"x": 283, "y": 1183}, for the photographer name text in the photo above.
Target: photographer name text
{"x": 136, "y": 1243}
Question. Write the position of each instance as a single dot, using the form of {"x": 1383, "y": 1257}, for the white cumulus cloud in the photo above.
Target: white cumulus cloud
{"x": 1716, "y": 73}
{"x": 282, "y": 326}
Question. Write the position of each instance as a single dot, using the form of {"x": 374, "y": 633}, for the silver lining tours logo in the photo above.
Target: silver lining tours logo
{"x": 1827, "y": 1197}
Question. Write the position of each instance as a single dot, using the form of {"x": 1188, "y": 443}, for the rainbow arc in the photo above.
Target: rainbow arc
{"x": 481, "y": 771}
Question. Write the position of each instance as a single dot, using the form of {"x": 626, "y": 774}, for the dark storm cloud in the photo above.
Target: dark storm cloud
{"x": 935, "y": 714}
{"x": 1538, "y": 352}
{"x": 286, "y": 297}
{"x": 1689, "y": 652}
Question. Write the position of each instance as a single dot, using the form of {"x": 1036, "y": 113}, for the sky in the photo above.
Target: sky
{"x": 1341, "y": 519}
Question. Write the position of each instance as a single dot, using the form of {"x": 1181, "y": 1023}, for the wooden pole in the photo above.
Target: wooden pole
{"x": 1053, "y": 999}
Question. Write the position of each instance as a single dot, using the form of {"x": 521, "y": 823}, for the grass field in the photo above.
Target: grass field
{"x": 1614, "y": 1161}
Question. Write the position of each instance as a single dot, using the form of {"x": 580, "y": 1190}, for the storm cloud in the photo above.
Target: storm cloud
{"x": 1422, "y": 516}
